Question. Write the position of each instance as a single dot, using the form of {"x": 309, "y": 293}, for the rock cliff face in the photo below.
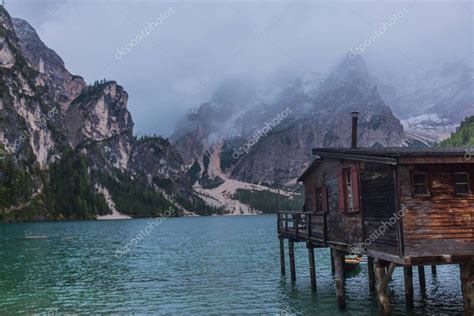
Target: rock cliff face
{"x": 64, "y": 87}
{"x": 99, "y": 117}
{"x": 29, "y": 119}
{"x": 60, "y": 132}
{"x": 262, "y": 140}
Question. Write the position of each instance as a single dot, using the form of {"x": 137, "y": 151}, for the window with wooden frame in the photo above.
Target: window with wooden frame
{"x": 349, "y": 198}
{"x": 420, "y": 184}
{"x": 461, "y": 184}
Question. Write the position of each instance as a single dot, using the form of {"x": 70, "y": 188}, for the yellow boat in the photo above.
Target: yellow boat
{"x": 351, "y": 264}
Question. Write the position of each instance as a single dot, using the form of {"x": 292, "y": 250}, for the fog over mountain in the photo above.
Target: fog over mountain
{"x": 197, "y": 46}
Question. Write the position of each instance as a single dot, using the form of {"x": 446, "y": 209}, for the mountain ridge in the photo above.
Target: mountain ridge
{"x": 319, "y": 110}
{"x": 77, "y": 155}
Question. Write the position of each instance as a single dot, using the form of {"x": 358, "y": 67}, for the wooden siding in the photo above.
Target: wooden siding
{"x": 314, "y": 180}
{"x": 340, "y": 227}
{"x": 441, "y": 223}
{"x": 378, "y": 185}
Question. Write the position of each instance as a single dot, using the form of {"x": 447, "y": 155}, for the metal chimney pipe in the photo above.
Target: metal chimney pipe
{"x": 355, "y": 120}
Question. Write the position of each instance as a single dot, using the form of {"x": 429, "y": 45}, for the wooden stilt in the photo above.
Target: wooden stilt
{"x": 291, "y": 251}
{"x": 467, "y": 286}
{"x": 421, "y": 277}
{"x": 408, "y": 272}
{"x": 433, "y": 270}
{"x": 339, "y": 272}
{"x": 312, "y": 269}
{"x": 382, "y": 280}
{"x": 282, "y": 256}
{"x": 370, "y": 265}
{"x": 331, "y": 251}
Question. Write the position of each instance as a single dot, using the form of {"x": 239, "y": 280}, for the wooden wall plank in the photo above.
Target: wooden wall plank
{"x": 441, "y": 223}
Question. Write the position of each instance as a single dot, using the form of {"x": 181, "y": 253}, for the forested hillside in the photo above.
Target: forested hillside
{"x": 464, "y": 135}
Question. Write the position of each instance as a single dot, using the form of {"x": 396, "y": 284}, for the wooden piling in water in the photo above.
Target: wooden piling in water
{"x": 291, "y": 251}
{"x": 434, "y": 270}
{"x": 467, "y": 286}
{"x": 422, "y": 278}
{"x": 371, "y": 268}
{"x": 339, "y": 277}
{"x": 382, "y": 278}
{"x": 282, "y": 256}
{"x": 331, "y": 253}
{"x": 312, "y": 268}
{"x": 408, "y": 274}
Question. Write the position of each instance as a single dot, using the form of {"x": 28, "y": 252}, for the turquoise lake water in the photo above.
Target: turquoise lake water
{"x": 186, "y": 266}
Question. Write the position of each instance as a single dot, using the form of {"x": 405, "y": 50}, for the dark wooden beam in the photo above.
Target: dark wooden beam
{"x": 408, "y": 274}
{"x": 422, "y": 278}
{"x": 398, "y": 206}
{"x": 382, "y": 279}
{"x": 291, "y": 252}
{"x": 385, "y": 257}
{"x": 339, "y": 277}
{"x": 331, "y": 253}
{"x": 385, "y": 160}
{"x": 467, "y": 286}
{"x": 433, "y": 269}
{"x": 282, "y": 256}
{"x": 438, "y": 260}
{"x": 371, "y": 268}
{"x": 433, "y": 160}
{"x": 312, "y": 268}
{"x": 388, "y": 277}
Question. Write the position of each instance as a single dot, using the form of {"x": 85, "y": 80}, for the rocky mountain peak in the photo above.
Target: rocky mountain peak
{"x": 351, "y": 68}
{"x": 64, "y": 87}
{"x": 8, "y": 40}
{"x": 5, "y": 19}
{"x": 34, "y": 49}
{"x": 99, "y": 113}
{"x": 350, "y": 72}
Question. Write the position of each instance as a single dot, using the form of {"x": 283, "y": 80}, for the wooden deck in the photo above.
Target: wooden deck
{"x": 294, "y": 225}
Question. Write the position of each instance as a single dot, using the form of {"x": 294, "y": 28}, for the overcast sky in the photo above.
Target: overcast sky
{"x": 194, "y": 44}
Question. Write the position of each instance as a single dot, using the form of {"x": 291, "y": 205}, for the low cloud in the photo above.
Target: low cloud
{"x": 206, "y": 41}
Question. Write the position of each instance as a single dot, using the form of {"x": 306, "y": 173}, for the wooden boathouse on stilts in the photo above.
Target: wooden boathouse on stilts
{"x": 400, "y": 207}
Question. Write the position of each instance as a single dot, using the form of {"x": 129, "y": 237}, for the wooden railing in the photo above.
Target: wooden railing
{"x": 294, "y": 224}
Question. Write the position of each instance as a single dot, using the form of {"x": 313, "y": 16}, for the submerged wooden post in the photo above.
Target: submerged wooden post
{"x": 312, "y": 269}
{"x": 467, "y": 286}
{"x": 282, "y": 256}
{"x": 339, "y": 270}
{"x": 331, "y": 253}
{"x": 382, "y": 280}
{"x": 421, "y": 277}
{"x": 408, "y": 273}
{"x": 433, "y": 270}
{"x": 370, "y": 266}
{"x": 291, "y": 251}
